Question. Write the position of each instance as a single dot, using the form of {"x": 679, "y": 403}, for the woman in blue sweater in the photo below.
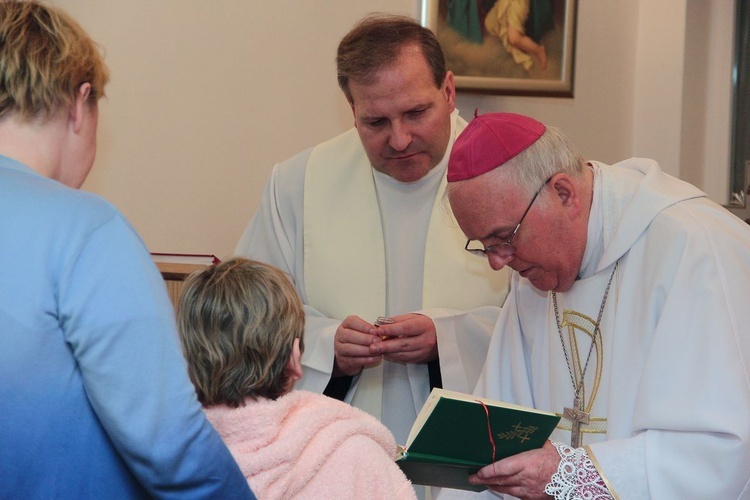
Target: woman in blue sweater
{"x": 96, "y": 401}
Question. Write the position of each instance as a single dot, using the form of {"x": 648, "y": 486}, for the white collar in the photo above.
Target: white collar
{"x": 594, "y": 240}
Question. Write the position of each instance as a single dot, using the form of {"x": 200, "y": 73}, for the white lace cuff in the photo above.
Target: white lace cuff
{"x": 576, "y": 476}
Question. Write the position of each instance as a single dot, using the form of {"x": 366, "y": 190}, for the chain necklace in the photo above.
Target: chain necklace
{"x": 576, "y": 414}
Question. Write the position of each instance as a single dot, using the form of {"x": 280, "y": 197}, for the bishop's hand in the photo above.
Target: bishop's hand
{"x": 524, "y": 475}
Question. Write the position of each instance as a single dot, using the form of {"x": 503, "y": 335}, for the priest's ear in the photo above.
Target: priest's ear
{"x": 449, "y": 90}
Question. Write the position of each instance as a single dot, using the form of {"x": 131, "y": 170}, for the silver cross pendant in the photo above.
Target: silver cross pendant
{"x": 577, "y": 417}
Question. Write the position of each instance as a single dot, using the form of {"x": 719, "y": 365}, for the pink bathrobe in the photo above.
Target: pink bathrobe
{"x": 306, "y": 445}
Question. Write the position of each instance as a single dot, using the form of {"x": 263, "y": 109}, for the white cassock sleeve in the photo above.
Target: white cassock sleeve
{"x": 463, "y": 339}
{"x": 274, "y": 236}
{"x": 684, "y": 375}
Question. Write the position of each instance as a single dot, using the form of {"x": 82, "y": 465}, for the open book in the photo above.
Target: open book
{"x": 457, "y": 434}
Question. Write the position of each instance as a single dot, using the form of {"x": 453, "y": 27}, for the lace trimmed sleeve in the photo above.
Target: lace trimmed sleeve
{"x": 576, "y": 477}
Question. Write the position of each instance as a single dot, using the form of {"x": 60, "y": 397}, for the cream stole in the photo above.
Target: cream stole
{"x": 344, "y": 257}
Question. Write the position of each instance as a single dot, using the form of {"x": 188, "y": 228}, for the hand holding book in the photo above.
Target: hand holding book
{"x": 525, "y": 475}
{"x": 457, "y": 434}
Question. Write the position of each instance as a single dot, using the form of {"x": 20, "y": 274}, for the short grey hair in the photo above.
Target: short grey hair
{"x": 550, "y": 154}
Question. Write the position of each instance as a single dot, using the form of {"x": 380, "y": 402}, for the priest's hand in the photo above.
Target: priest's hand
{"x": 524, "y": 475}
{"x": 411, "y": 338}
{"x": 351, "y": 346}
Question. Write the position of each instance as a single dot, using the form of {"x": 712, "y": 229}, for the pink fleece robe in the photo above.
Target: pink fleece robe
{"x": 306, "y": 445}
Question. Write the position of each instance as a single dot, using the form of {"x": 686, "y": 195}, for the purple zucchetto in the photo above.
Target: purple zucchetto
{"x": 489, "y": 141}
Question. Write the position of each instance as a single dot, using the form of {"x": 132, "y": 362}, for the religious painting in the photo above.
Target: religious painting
{"x": 515, "y": 47}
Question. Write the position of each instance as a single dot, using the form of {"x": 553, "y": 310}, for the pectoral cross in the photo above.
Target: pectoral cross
{"x": 577, "y": 417}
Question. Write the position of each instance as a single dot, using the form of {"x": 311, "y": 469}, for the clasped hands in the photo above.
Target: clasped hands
{"x": 358, "y": 344}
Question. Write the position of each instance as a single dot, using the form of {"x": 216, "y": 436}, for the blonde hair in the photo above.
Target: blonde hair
{"x": 45, "y": 56}
{"x": 237, "y": 322}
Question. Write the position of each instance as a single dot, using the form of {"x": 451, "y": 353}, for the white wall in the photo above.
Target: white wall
{"x": 709, "y": 52}
{"x": 683, "y": 89}
{"x": 206, "y": 96}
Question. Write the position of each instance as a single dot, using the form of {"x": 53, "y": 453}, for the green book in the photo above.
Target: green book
{"x": 450, "y": 440}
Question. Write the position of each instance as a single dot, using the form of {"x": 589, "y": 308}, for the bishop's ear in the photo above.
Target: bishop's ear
{"x": 565, "y": 189}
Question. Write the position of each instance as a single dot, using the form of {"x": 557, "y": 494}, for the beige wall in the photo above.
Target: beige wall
{"x": 206, "y": 96}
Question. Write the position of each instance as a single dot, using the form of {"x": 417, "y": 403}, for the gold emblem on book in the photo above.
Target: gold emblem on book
{"x": 520, "y": 431}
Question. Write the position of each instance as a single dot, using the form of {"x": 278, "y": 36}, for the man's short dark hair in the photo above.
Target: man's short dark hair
{"x": 376, "y": 41}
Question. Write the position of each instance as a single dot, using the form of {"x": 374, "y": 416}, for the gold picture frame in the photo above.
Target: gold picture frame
{"x": 487, "y": 52}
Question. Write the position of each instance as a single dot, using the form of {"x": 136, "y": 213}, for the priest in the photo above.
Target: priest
{"x": 360, "y": 225}
{"x": 627, "y": 315}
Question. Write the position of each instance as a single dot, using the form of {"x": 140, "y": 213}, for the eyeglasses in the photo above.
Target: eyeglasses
{"x": 504, "y": 250}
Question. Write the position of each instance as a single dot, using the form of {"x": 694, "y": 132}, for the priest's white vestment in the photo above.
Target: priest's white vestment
{"x": 356, "y": 241}
{"x": 671, "y": 418}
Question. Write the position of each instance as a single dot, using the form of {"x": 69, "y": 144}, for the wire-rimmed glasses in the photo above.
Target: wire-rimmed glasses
{"x": 505, "y": 249}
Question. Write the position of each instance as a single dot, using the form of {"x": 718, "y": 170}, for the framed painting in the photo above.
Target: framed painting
{"x": 515, "y": 47}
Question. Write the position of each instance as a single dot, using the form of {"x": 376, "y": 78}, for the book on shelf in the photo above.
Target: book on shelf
{"x": 186, "y": 258}
{"x": 456, "y": 434}
{"x": 177, "y": 266}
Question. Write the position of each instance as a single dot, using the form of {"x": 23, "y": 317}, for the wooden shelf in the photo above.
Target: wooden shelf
{"x": 174, "y": 274}
{"x": 177, "y": 271}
